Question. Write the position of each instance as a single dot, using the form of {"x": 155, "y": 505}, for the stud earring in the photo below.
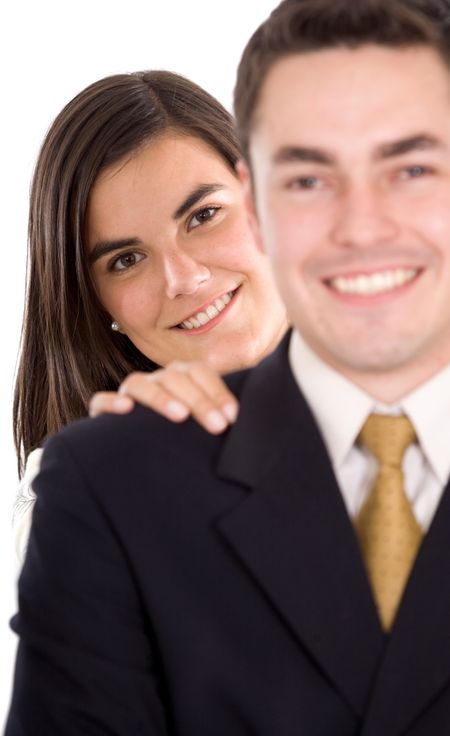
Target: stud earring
{"x": 115, "y": 326}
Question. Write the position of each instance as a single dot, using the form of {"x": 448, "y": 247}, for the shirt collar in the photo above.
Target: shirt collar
{"x": 341, "y": 408}
{"x": 428, "y": 407}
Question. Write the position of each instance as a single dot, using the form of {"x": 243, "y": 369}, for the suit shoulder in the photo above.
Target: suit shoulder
{"x": 143, "y": 430}
{"x": 110, "y": 427}
{"x": 131, "y": 438}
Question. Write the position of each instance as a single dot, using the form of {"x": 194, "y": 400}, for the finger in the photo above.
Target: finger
{"x": 199, "y": 389}
{"x": 211, "y": 383}
{"x": 196, "y": 399}
{"x": 191, "y": 387}
{"x": 111, "y": 402}
{"x": 152, "y": 394}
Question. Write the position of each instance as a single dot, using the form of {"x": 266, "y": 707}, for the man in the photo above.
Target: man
{"x": 286, "y": 578}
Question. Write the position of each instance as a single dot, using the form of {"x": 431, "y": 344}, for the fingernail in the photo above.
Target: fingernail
{"x": 177, "y": 410}
{"x": 215, "y": 421}
{"x": 231, "y": 412}
{"x": 122, "y": 403}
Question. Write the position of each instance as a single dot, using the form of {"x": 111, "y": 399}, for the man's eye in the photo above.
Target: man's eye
{"x": 306, "y": 182}
{"x": 128, "y": 260}
{"x": 202, "y": 216}
{"x": 415, "y": 172}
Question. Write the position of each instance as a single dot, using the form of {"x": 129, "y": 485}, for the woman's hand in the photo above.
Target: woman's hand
{"x": 180, "y": 390}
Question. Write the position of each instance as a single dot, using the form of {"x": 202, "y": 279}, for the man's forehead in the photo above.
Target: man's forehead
{"x": 344, "y": 65}
{"x": 387, "y": 95}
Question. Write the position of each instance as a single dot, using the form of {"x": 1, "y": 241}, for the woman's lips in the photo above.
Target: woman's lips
{"x": 208, "y": 316}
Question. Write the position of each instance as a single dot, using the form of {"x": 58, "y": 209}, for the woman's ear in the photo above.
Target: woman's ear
{"x": 245, "y": 177}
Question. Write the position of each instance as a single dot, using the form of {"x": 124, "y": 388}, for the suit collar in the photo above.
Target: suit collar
{"x": 269, "y": 413}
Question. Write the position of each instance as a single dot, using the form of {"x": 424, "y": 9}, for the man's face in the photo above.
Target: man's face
{"x": 350, "y": 154}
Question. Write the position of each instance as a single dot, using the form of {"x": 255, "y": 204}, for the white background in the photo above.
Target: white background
{"x": 50, "y": 50}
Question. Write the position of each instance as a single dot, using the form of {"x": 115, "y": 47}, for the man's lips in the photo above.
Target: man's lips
{"x": 373, "y": 284}
{"x": 207, "y": 312}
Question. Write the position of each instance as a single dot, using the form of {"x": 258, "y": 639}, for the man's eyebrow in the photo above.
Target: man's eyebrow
{"x": 421, "y": 142}
{"x": 293, "y": 154}
{"x": 195, "y": 196}
{"x": 103, "y": 247}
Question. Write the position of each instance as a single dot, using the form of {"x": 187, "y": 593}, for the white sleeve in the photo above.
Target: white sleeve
{"x": 23, "y": 505}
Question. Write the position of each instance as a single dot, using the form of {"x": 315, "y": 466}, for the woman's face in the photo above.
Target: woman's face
{"x": 174, "y": 261}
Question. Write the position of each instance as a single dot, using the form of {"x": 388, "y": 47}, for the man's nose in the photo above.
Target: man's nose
{"x": 183, "y": 274}
{"x": 364, "y": 219}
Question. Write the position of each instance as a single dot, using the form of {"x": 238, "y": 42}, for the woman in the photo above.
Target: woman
{"x": 139, "y": 254}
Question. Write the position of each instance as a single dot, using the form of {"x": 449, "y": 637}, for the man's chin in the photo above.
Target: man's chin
{"x": 367, "y": 359}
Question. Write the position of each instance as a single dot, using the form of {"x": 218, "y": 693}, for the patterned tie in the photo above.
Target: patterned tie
{"x": 388, "y": 532}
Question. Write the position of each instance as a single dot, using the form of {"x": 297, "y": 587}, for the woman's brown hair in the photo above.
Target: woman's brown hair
{"x": 68, "y": 350}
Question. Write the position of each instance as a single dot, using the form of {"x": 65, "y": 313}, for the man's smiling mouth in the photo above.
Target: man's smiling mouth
{"x": 378, "y": 282}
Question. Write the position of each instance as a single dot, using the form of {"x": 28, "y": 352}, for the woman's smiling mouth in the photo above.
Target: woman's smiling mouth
{"x": 203, "y": 319}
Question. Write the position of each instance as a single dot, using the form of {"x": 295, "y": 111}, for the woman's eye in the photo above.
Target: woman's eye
{"x": 202, "y": 216}
{"x": 128, "y": 260}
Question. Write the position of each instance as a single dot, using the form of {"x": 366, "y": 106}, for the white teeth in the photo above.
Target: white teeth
{"x": 375, "y": 283}
{"x": 203, "y": 318}
{"x": 219, "y": 305}
{"x": 211, "y": 311}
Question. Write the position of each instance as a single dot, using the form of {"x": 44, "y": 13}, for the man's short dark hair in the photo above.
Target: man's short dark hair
{"x": 299, "y": 26}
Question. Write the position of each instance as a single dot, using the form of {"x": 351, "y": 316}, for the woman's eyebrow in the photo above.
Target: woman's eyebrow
{"x": 195, "y": 196}
{"x": 103, "y": 247}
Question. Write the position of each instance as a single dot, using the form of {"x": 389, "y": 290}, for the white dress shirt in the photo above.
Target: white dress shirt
{"x": 23, "y": 506}
{"x": 341, "y": 408}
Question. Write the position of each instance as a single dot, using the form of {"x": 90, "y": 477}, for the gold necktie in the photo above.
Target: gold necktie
{"x": 388, "y": 532}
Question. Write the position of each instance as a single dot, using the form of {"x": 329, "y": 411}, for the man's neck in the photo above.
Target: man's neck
{"x": 389, "y": 386}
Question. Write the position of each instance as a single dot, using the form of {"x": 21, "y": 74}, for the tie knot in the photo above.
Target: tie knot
{"x": 387, "y": 437}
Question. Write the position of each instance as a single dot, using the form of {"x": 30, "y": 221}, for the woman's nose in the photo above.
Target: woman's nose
{"x": 183, "y": 274}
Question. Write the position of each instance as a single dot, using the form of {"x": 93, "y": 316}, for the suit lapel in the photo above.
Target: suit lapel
{"x": 416, "y": 666}
{"x": 293, "y": 534}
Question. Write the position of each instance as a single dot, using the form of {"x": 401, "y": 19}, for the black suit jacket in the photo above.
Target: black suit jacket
{"x": 181, "y": 583}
